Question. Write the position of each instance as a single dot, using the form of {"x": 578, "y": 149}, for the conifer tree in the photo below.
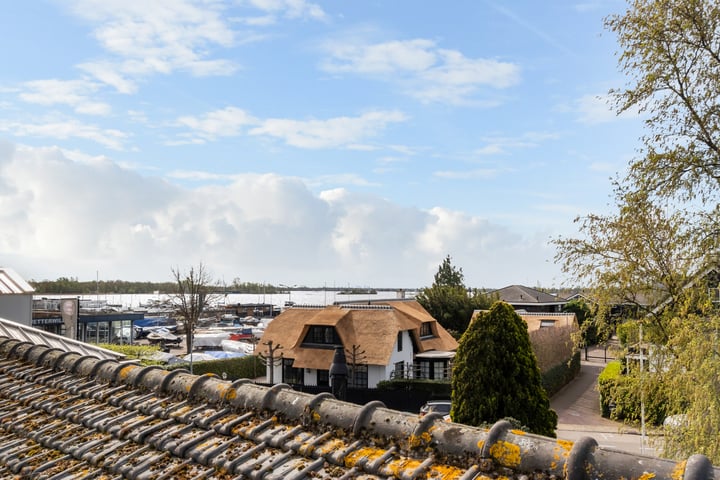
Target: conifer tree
{"x": 496, "y": 376}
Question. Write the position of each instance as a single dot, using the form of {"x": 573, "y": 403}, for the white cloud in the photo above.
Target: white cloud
{"x": 63, "y": 217}
{"x": 500, "y": 145}
{"x": 155, "y": 37}
{"x": 64, "y": 129}
{"x": 478, "y": 173}
{"x": 423, "y": 70}
{"x": 594, "y": 109}
{"x": 74, "y": 93}
{"x": 290, "y": 8}
{"x": 335, "y": 132}
{"x": 338, "y": 132}
{"x": 227, "y": 122}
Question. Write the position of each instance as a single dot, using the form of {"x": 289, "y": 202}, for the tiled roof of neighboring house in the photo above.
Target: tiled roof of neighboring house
{"x": 36, "y": 336}
{"x": 373, "y": 326}
{"x": 12, "y": 283}
{"x": 68, "y": 416}
{"x": 520, "y": 295}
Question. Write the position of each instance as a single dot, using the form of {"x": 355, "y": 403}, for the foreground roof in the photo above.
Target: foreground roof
{"x": 13, "y": 284}
{"x": 64, "y": 415}
{"x": 24, "y": 333}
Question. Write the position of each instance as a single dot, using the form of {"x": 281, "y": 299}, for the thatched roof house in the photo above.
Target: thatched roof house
{"x": 382, "y": 339}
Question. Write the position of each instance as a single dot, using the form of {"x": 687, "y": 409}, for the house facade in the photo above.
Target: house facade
{"x": 381, "y": 339}
{"x": 16, "y": 297}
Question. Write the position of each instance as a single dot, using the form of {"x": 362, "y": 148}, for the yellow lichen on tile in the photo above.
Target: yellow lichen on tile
{"x": 125, "y": 371}
{"x": 332, "y": 445}
{"x": 444, "y": 472}
{"x": 518, "y": 432}
{"x": 368, "y": 452}
{"x": 647, "y": 476}
{"x": 403, "y": 467}
{"x": 416, "y": 441}
{"x": 679, "y": 471}
{"x": 506, "y": 453}
{"x": 230, "y": 394}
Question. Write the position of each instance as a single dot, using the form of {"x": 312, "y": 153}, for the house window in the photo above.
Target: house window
{"x": 321, "y": 336}
{"x": 400, "y": 342}
{"x": 547, "y": 323}
{"x": 291, "y": 375}
{"x": 358, "y": 377}
{"x": 323, "y": 378}
{"x": 423, "y": 370}
{"x": 426, "y": 329}
{"x": 399, "y": 370}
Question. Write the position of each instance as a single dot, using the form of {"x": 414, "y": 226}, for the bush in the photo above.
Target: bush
{"x": 436, "y": 389}
{"x": 555, "y": 378}
{"x": 627, "y": 400}
{"x": 607, "y": 380}
{"x": 250, "y": 366}
{"x": 133, "y": 352}
{"x": 619, "y": 398}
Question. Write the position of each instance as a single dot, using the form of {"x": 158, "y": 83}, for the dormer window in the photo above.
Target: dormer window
{"x": 426, "y": 330}
{"x": 321, "y": 336}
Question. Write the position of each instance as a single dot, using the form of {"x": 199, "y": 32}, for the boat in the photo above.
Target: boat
{"x": 163, "y": 336}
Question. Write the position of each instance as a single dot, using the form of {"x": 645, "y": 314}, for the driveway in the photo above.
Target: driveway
{"x": 578, "y": 409}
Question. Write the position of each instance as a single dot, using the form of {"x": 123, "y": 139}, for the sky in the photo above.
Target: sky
{"x": 303, "y": 142}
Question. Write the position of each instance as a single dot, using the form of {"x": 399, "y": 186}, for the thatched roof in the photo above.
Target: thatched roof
{"x": 372, "y": 327}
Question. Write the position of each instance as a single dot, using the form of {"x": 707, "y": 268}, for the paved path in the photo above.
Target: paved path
{"x": 578, "y": 409}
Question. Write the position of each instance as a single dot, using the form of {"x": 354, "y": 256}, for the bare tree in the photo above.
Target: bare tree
{"x": 194, "y": 294}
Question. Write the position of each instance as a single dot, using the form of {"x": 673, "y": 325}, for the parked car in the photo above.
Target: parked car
{"x": 437, "y": 406}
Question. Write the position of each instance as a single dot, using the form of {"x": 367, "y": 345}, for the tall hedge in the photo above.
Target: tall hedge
{"x": 495, "y": 374}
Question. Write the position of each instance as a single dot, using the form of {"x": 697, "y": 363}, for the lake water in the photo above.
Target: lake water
{"x": 299, "y": 297}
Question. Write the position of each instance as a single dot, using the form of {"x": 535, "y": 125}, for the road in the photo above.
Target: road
{"x": 578, "y": 409}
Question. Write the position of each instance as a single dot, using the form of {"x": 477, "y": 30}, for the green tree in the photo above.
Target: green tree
{"x": 640, "y": 257}
{"x": 692, "y": 384}
{"x": 668, "y": 205}
{"x": 449, "y": 275}
{"x": 670, "y": 54}
{"x": 495, "y": 374}
{"x": 449, "y": 301}
{"x": 591, "y": 332}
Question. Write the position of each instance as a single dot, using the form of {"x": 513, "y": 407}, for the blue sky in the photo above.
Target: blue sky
{"x": 308, "y": 143}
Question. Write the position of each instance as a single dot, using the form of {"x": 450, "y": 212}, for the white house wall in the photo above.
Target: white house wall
{"x": 406, "y": 355}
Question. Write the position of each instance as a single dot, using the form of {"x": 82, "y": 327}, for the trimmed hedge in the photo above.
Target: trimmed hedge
{"x": 436, "y": 389}
{"x": 555, "y": 378}
{"x": 250, "y": 366}
{"x": 607, "y": 380}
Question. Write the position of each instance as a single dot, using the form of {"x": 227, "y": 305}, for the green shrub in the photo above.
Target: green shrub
{"x": 621, "y": 392}
{"x": 133, "y": 352}
{"x": 628, "y": 402}
{"x": 607, "y": 380}
{"x": 557, "y": 377}
{"x": 250, "y": 366}
{"x": 437, "y": 389}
